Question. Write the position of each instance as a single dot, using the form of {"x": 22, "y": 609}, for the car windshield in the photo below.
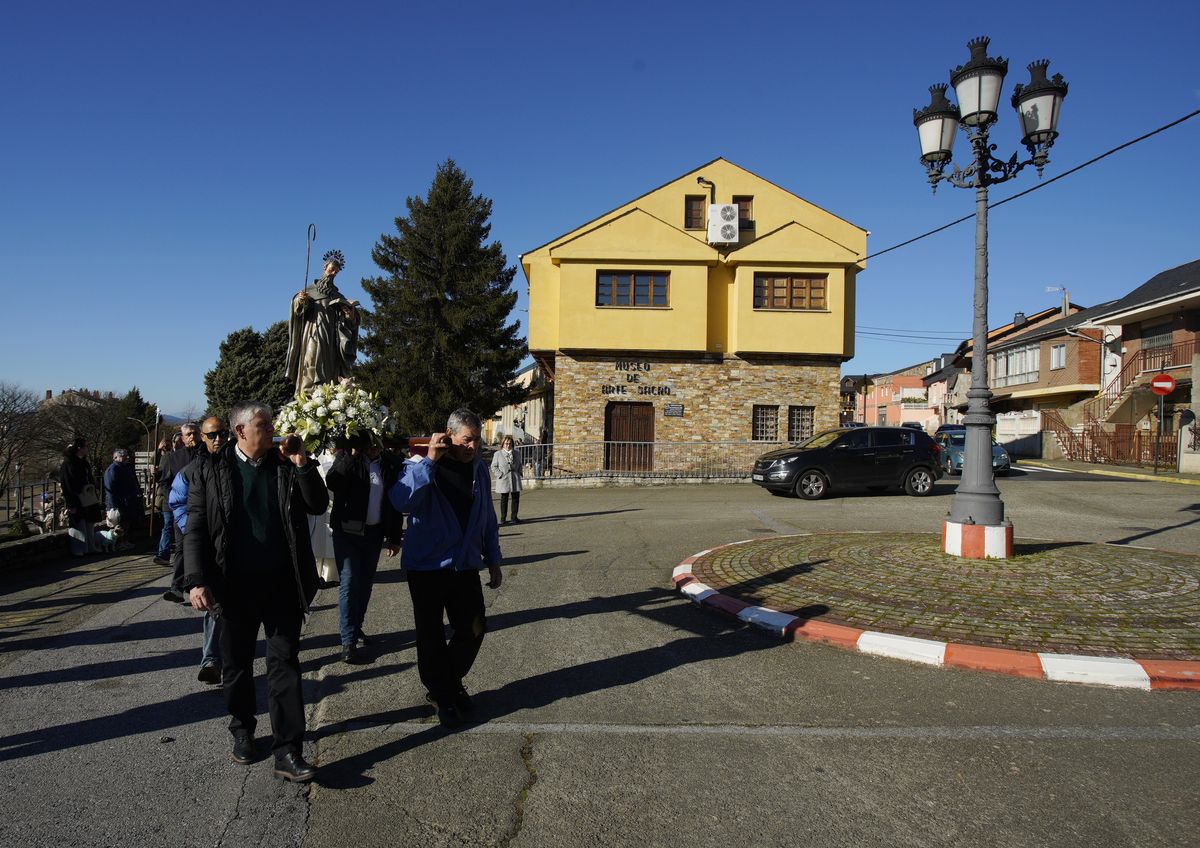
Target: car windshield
{"x": 956, "y": 439}
{"x": 820, "y": 440}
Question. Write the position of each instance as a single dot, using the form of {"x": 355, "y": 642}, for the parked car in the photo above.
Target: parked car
{"x": 950, "y": 428}
{"x": 953, "y": 442}
{"x": 849, "y": 458}
{"x": 915, "y": 425}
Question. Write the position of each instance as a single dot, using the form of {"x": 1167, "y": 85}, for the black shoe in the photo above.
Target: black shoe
{"x": 173, "y": 595}
{"x": 350, "y": 655}
{"x": 291, "y": 766}
{"x": 449, "y": 718}
{"x": 516, "y": 520}
{"x": 210, "y": 673}
{"x": 243, "y": 748}
{"x": 463, "y": 702}
{"x": 362, "y": 639}
{"x": 160, "y": 561}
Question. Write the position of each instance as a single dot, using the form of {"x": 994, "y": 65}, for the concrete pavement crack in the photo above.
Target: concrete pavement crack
{"x": 523, "y": 794}
{"x": 237, "y": 810}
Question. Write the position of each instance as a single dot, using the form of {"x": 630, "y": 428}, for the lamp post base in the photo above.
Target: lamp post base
{"x": 978, "y": 541}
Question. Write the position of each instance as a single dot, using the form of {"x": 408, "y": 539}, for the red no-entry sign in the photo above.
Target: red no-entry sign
{"x": 1162, "y": 384}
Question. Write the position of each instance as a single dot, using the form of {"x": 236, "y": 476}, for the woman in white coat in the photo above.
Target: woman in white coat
{"x": 506, "y": 471}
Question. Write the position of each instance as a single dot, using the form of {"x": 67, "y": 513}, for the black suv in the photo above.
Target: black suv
{"x": 870, "y": 457}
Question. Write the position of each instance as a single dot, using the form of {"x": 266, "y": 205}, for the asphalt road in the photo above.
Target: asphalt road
{"x": 613, "y": 711}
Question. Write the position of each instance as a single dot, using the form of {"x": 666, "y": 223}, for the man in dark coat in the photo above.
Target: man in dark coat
{"x": 364, "y": 523}
{"x": 170, "y": 465}
{"x": 249, "y": 559}
{"x": 123, "y": 494}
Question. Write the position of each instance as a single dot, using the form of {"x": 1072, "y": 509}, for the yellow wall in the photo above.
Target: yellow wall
{"x": 682, "y": 326}
{"x": 712, "y": 287}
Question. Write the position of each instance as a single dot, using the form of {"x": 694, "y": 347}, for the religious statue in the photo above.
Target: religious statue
{"x": 322, "y": 330}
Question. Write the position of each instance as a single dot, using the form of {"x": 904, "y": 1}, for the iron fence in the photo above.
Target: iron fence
{"x": 683, "y": 460}
{"x": 40, "y": 502}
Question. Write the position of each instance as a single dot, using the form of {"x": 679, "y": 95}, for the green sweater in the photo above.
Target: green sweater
{"x": 257, "y": 543}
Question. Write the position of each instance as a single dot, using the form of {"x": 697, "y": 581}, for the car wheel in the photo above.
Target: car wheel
{"x": 919, "y": 482}
{"x": 812, "y": 486}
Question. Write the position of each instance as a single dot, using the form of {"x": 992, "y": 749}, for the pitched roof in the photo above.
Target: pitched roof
{"x": 1054, "y": 328}
{"x": 676, "y": 179}
{"x": 1164, "y": 286}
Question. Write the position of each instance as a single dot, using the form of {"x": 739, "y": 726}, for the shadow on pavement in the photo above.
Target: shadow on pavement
{"x": 714, "y": 639}
{"x": 540, "y": 518}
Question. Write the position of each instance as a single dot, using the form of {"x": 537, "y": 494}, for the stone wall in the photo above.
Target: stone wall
{"x": 717, "y": 394}
{"x": 33, "y": 551}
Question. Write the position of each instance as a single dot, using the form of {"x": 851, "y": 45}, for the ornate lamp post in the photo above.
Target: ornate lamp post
{"x": 976, "y": 526}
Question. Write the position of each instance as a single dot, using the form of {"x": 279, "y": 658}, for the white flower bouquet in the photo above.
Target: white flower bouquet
{"x": 335, "y": 412}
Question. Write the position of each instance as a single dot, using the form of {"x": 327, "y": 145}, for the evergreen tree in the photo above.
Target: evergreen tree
{"x": 250, "y": 366}
{"x": 439, "y": 337}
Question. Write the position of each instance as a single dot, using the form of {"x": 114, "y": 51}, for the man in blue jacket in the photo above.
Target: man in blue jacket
{"x": 452, "y": 534}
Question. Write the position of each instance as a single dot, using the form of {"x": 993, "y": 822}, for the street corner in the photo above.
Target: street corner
{"x": 1065, "y": 611}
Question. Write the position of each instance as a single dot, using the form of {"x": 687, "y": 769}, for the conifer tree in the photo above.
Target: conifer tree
{"x": 250, "y": 366}
{"x": 439, "y": 335}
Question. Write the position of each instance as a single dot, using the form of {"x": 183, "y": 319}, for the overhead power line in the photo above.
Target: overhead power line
{"x": 1040, "y": 185}
{"x": 904, "y": 335}
{"x": 906, "y": 329}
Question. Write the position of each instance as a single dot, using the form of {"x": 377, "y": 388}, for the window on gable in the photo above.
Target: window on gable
{"x": 773, "y": 291}
{"x": 693, "y": 211}
{"x": 745, "y": 205}
{"x": 633, "y": 288}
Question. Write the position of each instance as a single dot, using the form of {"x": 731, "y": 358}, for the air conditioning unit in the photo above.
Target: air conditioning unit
{"x": 722, "y": 223}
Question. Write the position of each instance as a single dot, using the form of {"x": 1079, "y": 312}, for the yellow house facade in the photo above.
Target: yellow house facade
{"x": 717, "y": 307}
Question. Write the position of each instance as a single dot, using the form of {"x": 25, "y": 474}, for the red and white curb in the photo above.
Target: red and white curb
{"x": 1068, "y": 668}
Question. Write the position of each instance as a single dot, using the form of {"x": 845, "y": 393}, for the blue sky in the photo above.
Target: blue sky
{"x": 163, "y": 162}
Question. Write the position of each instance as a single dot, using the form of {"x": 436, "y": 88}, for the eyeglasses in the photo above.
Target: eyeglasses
{"x": 216, "y": 434}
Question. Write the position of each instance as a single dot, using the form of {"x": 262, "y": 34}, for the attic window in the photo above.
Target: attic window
{"x": 693, "y": 212}
{"x": 745, "y": 205}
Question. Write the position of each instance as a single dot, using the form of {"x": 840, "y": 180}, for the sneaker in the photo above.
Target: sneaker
{"x": 209, "y": 673}
{"x": 362, "y": 639}
{"x": 243, "y": 748}
{"x": 350, "y": 655}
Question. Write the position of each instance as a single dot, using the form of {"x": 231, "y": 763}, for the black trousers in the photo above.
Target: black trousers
{"x": 516, "y": 502}
{"x": 442, "y": 665}
{"x": 177, "y": 557}
{"x": 274, "y": 605}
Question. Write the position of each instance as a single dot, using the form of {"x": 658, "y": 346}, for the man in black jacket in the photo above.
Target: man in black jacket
{"x": 249, "y": 559}
{"x": 363, "y": 522}
{"x": 169, "y": 466}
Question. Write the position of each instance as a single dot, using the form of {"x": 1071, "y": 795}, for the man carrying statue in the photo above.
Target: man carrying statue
{"x": 322, "y": 330}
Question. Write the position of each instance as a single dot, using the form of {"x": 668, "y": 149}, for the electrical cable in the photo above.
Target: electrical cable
{"x": 1040, "y": 185}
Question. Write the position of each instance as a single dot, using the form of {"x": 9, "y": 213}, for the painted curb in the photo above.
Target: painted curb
{"x": 1125, "y": 475}
{"x": 1149, "y": 674}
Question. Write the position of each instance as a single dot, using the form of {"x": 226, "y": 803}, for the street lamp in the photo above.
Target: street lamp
{"x": 977, "y": 84}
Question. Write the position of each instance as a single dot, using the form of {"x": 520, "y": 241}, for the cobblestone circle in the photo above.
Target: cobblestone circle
{"x": 1059, "y": 597}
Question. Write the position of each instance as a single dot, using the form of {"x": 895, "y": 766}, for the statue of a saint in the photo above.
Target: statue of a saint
{"x": 322, "y": 330}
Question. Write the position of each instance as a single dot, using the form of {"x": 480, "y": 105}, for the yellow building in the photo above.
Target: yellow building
{"x": 717, "y": 307}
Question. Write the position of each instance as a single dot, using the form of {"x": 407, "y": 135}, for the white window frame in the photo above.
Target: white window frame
{"x": 1058, "y": 356}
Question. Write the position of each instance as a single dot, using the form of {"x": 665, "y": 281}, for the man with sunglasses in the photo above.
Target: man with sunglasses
{"x": 214, "y": 435}
{"x": 168, "y": 469}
